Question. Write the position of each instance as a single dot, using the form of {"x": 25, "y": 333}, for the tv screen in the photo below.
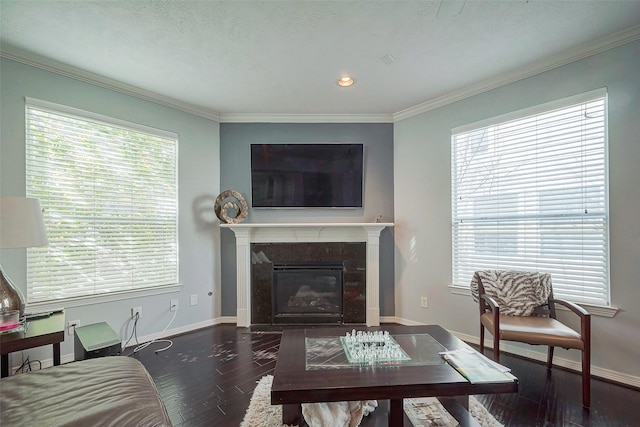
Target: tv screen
{"x": 306, "y": 175}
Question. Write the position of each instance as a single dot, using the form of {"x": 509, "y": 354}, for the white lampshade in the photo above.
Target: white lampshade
{"x": 21, "y": 226}
{"x": 21, "y": 223}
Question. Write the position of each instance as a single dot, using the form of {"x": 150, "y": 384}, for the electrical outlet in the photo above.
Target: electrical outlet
{"x": 194, "y": 300}
{"x": 424, "y": 302}
{"x": 71, "y": 326}
{"x": 136, "y": 310}
{"x": 174, "y": 305}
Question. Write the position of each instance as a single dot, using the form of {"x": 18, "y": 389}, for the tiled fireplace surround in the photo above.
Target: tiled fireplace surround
{"x": 314, "y": 233}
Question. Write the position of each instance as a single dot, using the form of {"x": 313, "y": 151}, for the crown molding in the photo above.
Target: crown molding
{"x": 618, "y": 39}
{"x": 627, "y": 36}
{"x": 41, "y": 62}
{"x": 53, "y": 66}
{"x": 306, "y": 118}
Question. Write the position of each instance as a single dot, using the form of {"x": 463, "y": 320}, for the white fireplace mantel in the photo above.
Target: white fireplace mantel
{"x": 306, "y": 232}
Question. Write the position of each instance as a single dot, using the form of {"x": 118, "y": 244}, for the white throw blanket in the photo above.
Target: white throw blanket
{"x": 337, "y": 414}
{"x": 261, "y": 413}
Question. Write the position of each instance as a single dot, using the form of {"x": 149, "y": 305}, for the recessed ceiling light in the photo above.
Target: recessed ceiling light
{"x": 346, "y": 81}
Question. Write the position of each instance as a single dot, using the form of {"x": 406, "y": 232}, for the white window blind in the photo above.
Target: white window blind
{"x": 109, "y": 194}
{"x": 529, "y": 192}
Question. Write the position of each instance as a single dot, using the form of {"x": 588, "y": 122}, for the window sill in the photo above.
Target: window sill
{"x": 595, "y": 310}
{"x": 102, "y": 298}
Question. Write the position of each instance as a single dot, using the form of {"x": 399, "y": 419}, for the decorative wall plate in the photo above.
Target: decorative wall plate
{"x": 230, "y": 200}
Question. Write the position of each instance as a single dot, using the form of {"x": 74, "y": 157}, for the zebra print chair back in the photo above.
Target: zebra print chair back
{"x": 518, "y": 293}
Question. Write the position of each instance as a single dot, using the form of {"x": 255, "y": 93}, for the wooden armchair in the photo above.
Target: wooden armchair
{"x": 533, "y": 320}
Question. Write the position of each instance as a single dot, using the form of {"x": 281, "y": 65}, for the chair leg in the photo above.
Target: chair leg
{"x": 481, "y": 338}
{"x": 496, "y": 348}
{"x": 550, "y": 357}
{"x": 586, "y": 377}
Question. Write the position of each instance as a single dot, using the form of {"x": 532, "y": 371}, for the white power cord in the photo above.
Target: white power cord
{"x": 147, "y": 344}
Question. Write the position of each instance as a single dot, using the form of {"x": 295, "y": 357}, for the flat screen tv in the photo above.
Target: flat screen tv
{"x": 306, "y": 175}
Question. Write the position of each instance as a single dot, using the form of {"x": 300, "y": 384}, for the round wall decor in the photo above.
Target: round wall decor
{"x": 227, "y": 200}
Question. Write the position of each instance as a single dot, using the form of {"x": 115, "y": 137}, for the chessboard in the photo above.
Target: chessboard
{"x": 372, "y": 347}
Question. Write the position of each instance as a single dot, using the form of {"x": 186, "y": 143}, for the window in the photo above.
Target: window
{"x": 529, "y": 192}
{"x": 108, "y": 189}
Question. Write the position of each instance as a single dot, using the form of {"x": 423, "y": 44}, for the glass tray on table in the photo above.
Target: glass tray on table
{"x": 336, "y": 352}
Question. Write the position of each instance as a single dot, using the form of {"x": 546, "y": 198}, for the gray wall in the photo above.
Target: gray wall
{"x": 235, "y": 170}
{"x": 198, "y": 182}
{"x": 422, "y": 155}
{"x": 407, "y": 181}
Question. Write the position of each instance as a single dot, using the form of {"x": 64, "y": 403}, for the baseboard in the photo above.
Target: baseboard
{"x": 399, "y": 321}
{"x": 572, "y": 365}
{"x": 596, "y": 371}
{"x": 606, "y": 374}
{"x": 70, "y": 357}
{"x": 227, "y": 319}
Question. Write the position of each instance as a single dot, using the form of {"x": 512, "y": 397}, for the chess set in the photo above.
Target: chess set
{"x": 372, "y": 347}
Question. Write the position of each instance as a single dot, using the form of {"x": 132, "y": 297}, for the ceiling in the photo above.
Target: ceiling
{"x": 234, "y": 59}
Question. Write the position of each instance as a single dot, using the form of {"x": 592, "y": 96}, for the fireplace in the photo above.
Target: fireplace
{"x": 307, "y": 293}
{"x": 297, "y": 283}
{"x": 249, "y": 234}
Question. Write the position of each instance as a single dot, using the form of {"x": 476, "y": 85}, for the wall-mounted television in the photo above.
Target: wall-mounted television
{"x": 307, "y": 175}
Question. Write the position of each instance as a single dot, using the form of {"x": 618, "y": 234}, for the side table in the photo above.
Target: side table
{"x": 96, "y": 340}
{"x": 37, "y": 332}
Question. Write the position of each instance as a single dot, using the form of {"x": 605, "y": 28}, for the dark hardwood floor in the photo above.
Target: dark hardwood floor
{"x": 206, "y": 379}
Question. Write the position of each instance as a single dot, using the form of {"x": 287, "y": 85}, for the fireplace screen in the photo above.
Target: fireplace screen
{"x": 307, "y": 293}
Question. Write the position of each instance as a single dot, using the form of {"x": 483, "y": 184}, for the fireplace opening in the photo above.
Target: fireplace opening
{"x": 307, "y": 292}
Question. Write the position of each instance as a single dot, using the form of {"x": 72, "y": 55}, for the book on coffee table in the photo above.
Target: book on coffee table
{"x": 428, "y": 412}
{"x": 476, "y": 367}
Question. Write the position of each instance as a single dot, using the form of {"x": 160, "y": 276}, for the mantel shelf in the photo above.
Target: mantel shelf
{"x": 307, "y": 224}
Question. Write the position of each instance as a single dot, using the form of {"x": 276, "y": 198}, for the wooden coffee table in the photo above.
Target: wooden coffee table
{"x": 300, "y": 378}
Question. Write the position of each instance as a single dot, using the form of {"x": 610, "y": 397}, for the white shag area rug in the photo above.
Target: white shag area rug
{"x": 262, "y": 414}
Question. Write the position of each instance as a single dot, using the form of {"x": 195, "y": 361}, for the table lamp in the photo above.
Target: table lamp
{"x": 21, "y": 226}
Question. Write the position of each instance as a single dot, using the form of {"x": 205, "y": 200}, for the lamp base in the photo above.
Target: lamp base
{"x": 10, "y": 296}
